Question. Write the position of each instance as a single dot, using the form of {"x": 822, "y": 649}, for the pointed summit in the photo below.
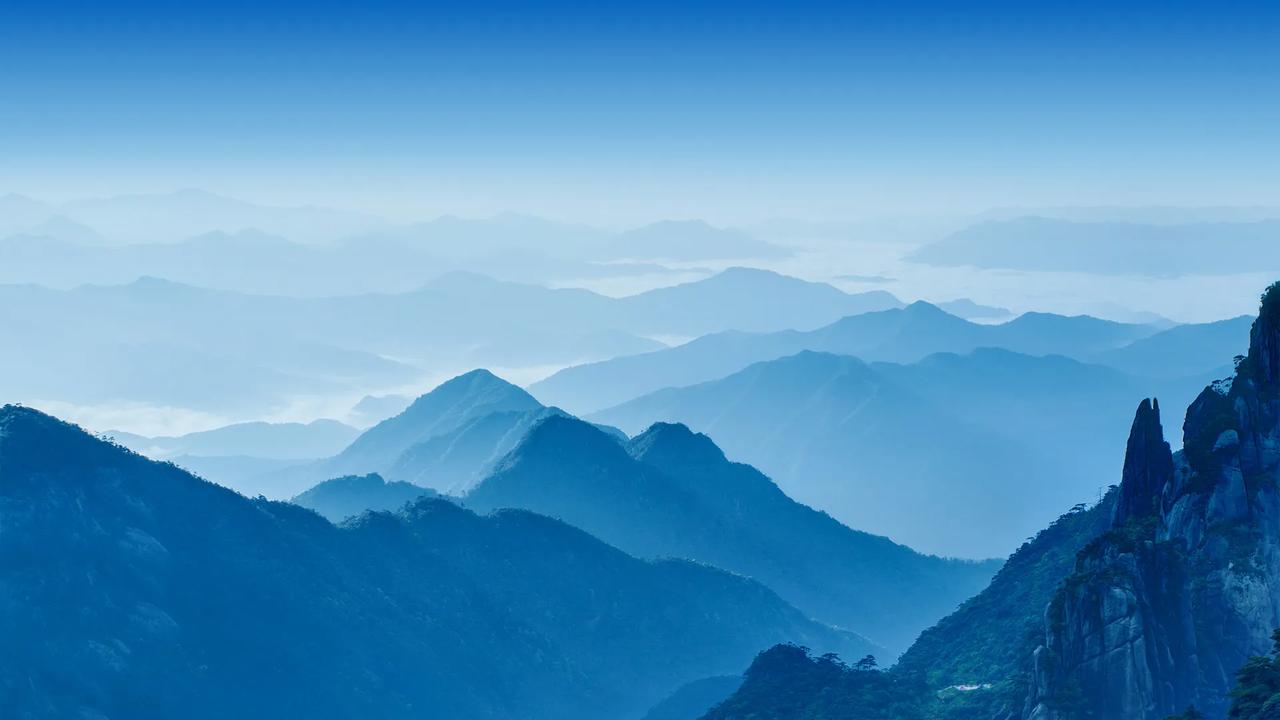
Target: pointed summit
{"x": 1148, "y": 465}
{"x": 674, "y": 444}
{"x": 562, "y": 441}
{"x": 443, "y": 410}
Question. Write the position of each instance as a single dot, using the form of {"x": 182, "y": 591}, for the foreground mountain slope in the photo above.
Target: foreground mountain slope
{"x": 975, "y": 664}
{"x": 987, "y": 644}
{"x": 1183, "y": 588}
{"x": 670, "y": 492}
{"x": 131, "y": 589}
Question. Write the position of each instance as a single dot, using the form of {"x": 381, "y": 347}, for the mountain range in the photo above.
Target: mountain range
{"x": 136, "y": 590}
{"x": 276, "y": 441}
{"x": 1159, "y": 602}
{"x": 164, "y": 344}
{"x": 895, "y": 335}
{"x": 1111, "y": 247}
{"x": 205, "y": 239}
{"x": 672, "y": 493}
{"x": 900, "y": 450}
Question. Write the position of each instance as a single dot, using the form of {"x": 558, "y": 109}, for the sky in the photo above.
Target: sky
{"x": 618, "y": 113}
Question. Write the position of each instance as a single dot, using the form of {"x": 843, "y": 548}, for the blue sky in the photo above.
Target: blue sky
{"x": 618, "y": 112}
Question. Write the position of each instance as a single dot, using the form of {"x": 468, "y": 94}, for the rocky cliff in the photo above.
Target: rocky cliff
{"x": 1164, "y": 607}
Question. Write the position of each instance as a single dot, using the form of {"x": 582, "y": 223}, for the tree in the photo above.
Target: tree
{"x": 1256, "y": 695}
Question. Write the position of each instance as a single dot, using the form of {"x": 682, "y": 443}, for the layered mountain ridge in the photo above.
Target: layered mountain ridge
{"x": 1143, "y": 606}
{"x": 670, "y": 492}
{"x": 132, "y": 589}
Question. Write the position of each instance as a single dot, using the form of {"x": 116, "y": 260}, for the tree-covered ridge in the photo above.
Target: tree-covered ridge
{"x": 348, "y": 496}
{"x": 972, "y": 664}
{"x": 135, "y": 590}
{"x": 670, "y": 492}
{"x": 787, "y": 682}
{"x": 988, "y": 642}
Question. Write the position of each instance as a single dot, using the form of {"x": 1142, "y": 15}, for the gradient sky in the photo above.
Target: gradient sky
{"x": 620, "y": 112}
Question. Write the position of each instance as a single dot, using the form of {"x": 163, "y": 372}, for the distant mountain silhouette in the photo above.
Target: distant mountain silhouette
{"x": 275, "y": 441}
{"x": 167, "y": 344}
{"x": 160, "y": 343}
{"x": 693, "y": 700}
{"x": 166, "y": 217}
{"x": 1109, "y": 247}
{"x": 344, "y": 497}
{"x": 137, "y": 590}
{"x": 688, "y": 240}
{"x": 970, "y": 310}
{"x": 897, "y": 335}
{"x": 955, "y": 455}
{"x": 671, "y": 493}
{"x": 1185, "y": 351}
{"x": 747, "y": 299}
{"x": 204, "y": 239}
{"x": 988, "y": 640}
{"x": 373, "y": 409}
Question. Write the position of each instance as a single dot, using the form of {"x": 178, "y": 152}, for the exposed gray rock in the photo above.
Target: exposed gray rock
{"x": 1148, "y": 465}
{"x": 1165, "y": 607}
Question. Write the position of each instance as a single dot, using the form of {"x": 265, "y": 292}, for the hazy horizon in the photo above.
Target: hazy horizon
{"x": 730, "y": 112}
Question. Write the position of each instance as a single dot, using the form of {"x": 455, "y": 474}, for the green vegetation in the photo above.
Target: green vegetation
{"x": 135, "y": 590}
{"x": 672, "y": 493}
{"x": 1256, "y": 695}
{"x": 989, "y": 639}
{"x": 972, "y": 664}
{"x": 786, "y": 682}
{"x": 344, "y": 497}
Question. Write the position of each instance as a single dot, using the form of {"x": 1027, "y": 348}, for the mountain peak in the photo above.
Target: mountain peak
{"x": 480, "y": 384}
{"x": 674, "y": 444}
{"x": 924, "y": 309}
{"x": 1264, "y": 338}
{"x": 564, "y": 439}
{"x": 1148, "y": 464}
{"x": 444, "y": 409}
{"x": 559, "y": 451}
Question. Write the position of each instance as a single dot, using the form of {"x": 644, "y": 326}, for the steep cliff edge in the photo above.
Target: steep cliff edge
{"x": 1164, "y": 607}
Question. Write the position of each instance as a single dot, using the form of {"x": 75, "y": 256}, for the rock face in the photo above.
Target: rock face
{"x": 1164, "y": 607}
{"x": 1148, "y": 465}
